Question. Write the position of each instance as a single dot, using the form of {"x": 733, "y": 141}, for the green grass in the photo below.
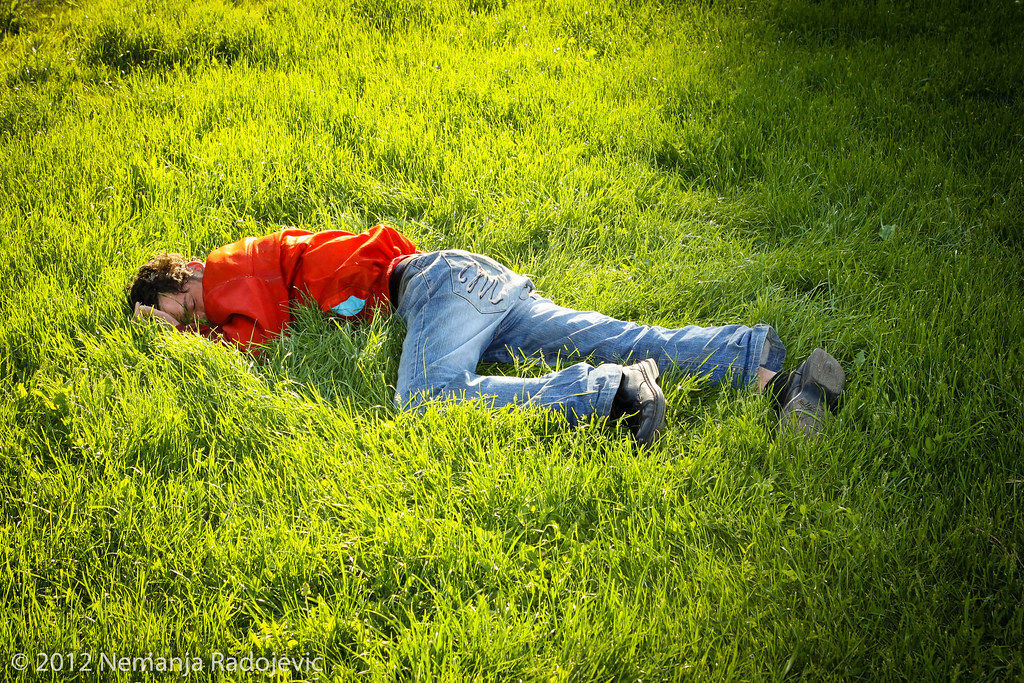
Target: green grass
{"x": 848, "y": 174}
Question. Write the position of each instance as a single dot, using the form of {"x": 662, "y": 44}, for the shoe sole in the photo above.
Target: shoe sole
{"x": 824, "y": 371}
{"x": 650, "y": 370}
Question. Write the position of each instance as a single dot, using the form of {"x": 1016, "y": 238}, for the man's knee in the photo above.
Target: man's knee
{"x": 439, "y": 384}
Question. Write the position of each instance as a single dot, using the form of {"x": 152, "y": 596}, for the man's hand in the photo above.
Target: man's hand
{"x": 143, "y": 312}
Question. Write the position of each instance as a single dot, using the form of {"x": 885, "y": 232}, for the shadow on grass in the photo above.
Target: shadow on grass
{"x": 146, "y": 43}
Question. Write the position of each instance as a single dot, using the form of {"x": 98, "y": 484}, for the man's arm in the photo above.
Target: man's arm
{"x": 146, "y": 312}
{"x": 151, "y": 312}
{"x": 243, "y": 332}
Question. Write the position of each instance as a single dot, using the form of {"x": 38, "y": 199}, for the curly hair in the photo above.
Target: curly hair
{"x": 165, "y": 273}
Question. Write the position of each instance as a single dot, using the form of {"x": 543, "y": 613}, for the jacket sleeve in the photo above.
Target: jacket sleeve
{"x": 239, "y": 330}
{"x": 246, "y": 333}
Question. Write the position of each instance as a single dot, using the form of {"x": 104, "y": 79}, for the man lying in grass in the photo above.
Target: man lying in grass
{"x": 461, "y": 308}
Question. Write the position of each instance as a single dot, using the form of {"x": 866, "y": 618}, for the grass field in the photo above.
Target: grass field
{"x": 849, "y": 174}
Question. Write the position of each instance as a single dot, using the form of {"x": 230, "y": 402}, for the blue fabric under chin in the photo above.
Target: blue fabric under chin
{"x": 350, "y": 306}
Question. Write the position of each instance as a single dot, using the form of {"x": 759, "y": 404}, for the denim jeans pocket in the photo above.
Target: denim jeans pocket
{"x": 480, "y": 281}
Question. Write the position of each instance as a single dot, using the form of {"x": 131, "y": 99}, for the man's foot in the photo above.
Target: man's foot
{"x": 639, "y": 402}
{"x": 804, "y": 397}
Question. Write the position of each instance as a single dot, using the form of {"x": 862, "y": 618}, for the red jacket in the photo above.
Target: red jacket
{"x": 250, "y": 285}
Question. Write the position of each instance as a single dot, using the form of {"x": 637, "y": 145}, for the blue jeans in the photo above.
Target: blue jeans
{"x": 462, "y": 308}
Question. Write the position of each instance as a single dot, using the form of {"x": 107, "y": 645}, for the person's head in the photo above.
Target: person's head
{"x": 170, "y": 284}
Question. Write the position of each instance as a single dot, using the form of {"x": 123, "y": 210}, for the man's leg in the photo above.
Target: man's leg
{"x": 540, "y": 328}
{"x": 455, "y": 305}
{"x": 805, "y": 397}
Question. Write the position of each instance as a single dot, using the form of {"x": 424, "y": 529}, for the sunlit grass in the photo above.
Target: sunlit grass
{"x": 850, "y": 175}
